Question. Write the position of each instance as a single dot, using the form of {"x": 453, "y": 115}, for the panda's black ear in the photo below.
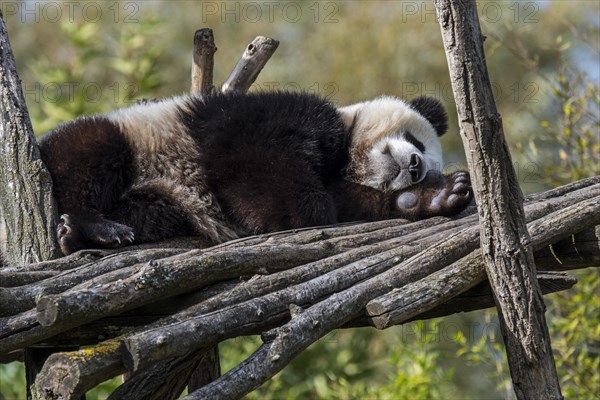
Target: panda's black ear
{"x": 433, "y": 110}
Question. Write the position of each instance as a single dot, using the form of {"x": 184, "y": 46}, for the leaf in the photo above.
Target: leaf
{"x": 563, "y": 155}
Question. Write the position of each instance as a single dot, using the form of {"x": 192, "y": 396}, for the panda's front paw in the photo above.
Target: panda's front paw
{"x": 436, "y": 195}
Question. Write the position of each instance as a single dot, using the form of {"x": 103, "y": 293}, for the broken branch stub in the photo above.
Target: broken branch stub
{"x": 250, "y": 64}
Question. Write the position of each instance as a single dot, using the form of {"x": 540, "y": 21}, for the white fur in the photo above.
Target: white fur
{"x": 380, "y": 154}
{"x": 166, "y": 155}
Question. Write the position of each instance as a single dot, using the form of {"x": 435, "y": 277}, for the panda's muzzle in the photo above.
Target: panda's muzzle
{"x": 416, "y": 168}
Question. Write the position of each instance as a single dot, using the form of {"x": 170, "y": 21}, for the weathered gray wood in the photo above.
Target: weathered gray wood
{"x": 504, "y": 238}
{"x": 78, "y": 371}
{"x": 418, "y": 297}
{"x": 481, "y": 297}
{"x": 250, "y": 64}
{"x": 17, "y": 299}
{"x": 20, "y": 330}
{"x": 164, "y": 380}
{"x": 208, "y": 369}
{"x": 203, "y": 62}
{"x": 576, "y": 251}
{"x": 346, "y": 296}
{"x": 299, "y": 286}
{"x": 283, "y": 343}
{"x": 27, "y": 209}
{"x": 10, "y": 279}
{"x": 7, "y": 358}
{"x": 26, "y": 206}
{"x": 69, "y": 374}
{"x": 227, "y": 293}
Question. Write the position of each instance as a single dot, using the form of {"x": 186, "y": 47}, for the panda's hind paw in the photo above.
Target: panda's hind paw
{"x": 110, "y": 234}
{"x": 76, "y": 233}
{"x": 455, "y": 195}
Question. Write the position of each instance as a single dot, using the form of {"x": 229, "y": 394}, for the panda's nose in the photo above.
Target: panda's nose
{"x": 415, "y": 167}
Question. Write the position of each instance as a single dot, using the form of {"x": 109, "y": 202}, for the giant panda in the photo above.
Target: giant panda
{"x": 224, "y": 166}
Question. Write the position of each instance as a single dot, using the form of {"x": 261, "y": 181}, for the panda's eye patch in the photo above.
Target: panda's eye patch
{"x": 415, "y": 142}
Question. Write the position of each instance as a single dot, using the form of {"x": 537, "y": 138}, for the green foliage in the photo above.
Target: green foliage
{"x": 571, "y": 144}
{"x": 488, "y": 350}
{"x": 357, "y": 364}
{"x": 574, "y": 323}
{"x": 95, "y": 77}
{"x": 417, "y": 370}
{"x": 12, "y": 382}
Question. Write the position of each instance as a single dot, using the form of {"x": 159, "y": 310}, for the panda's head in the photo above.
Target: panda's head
{"x": 393, "y": 143}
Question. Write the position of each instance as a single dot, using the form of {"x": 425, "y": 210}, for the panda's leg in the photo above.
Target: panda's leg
{"x": 162, "y": 209}
{"x": 355, "y": 202}
{"x": 152, "y": 213}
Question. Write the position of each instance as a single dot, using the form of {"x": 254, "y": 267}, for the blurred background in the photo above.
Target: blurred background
{"x": 83, "y": 57}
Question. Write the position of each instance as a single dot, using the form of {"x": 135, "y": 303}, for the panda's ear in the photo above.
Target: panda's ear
{"x": 433, "y": 110}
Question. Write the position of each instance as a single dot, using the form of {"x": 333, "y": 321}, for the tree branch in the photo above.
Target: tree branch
{"x": 203, "y": 62}
{"x": 440, "y": 287}
{"x": 250, "y": 64}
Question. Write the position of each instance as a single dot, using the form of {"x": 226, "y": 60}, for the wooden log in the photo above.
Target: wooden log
{"x": 285, "y": 342}
{"x": 68, "y": 375}
{"x": 18, "y": 299}
{"x": 49, "y": 308}
{"x": 20, "y": 330}
{"x": 481, "y": 297}
{"x": 9, "y": 279}
{"x": 203, "y": 62}
{"x": 418, "y": 297}
{"x": 580, "y": 250}
{"x": 232, "y": 292}
{"x": 504, "y": 238}
{"x": 293, "y": 285}
{"x": 71, "y": 367}
{"x": 250, "y": 64}
{"x": 147, "y": 347}
{"x": 164, "y": 380}
{"x": 13, "y": 356}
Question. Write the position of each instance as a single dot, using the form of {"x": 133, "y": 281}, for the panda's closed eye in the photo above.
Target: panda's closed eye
{"x": 386, "y": 149}
{"x": 414, "y": 141}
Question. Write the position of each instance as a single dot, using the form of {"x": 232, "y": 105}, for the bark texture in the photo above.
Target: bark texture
{"x": 505, "y": 242}
{"x": 27, "y": 211}
{"x": 203, "y": 61}
{"x": 250, "y": 64}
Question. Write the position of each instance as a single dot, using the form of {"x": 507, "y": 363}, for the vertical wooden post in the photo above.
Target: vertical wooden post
{"x": 504, "y": 237}
{"x": 203, "y": 61}
{"x": 209, "y": 366}
{"x": 26, "y": 206}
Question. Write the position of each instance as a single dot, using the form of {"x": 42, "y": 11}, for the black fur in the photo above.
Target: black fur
{"x": 433, "y": 111}
{"x": 273, "y": 161}
{"x": 269, "y": 157}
